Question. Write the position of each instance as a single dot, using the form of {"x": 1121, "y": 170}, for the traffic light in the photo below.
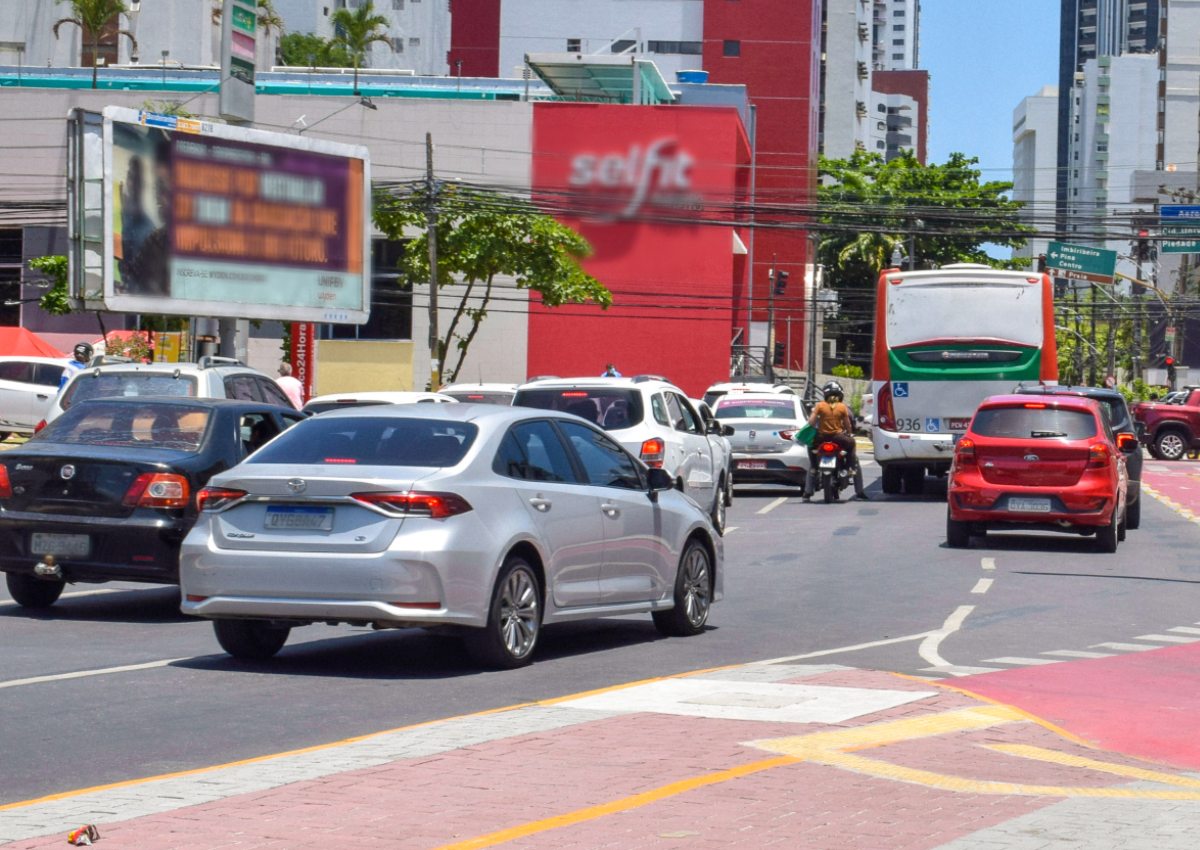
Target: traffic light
{"x": 1141, "y": 250}
{"x": 781, "y": 281}
{"x": 1170, "y": 364}
{"x": 780, "y": 354}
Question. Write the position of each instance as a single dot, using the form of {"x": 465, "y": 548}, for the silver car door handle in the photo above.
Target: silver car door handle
{"x": 610, "y": 509}
{"x": 541, "y": 504}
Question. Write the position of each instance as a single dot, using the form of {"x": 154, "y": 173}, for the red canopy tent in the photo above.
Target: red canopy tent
{"x": 25, "y": 343}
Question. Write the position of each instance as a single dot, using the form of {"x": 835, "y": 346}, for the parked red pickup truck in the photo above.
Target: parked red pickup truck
{"x": 1170, "y": 429}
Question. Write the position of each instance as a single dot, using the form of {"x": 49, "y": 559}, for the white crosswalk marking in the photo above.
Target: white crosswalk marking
{"x": 1168, "y": 638}
{"x": 1124, "y": 647}
{"x": 1021, "y": 662}
{"x": 1078, "y": 653}
{"x": 958, "y": 670}
{"x": 1185, "y": 630}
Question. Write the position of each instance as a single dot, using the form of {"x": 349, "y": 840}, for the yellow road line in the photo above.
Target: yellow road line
{"x": 1041, "y": 754}
{"x": 622, "y": 804}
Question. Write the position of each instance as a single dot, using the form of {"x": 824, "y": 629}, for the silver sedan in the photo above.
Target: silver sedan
{"x": 493, "y": 521}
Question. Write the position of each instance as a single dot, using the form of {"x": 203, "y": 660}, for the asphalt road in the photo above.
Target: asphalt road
{"x": 863, "y": 584}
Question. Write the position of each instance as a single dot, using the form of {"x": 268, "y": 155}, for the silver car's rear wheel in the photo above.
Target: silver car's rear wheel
{"x": 514, "y": 619}
{"x": 693, "y": 594}
{"x": 250, "y": 640}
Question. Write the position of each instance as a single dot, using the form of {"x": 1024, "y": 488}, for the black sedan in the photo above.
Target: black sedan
{"x": 106, "y": 492}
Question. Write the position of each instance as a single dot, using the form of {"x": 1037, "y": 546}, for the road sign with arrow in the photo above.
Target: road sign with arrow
{"x": 1081, "y": 262}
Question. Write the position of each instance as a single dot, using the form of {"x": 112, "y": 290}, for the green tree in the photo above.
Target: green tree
{"x": 92, "y": 17}
{"x": 481, "y": 235}
{"x": 299, "y": 49}
{"x": 55, "y": 300}
{"x": 355, "y": 30}
{"x": 940, "y": 213}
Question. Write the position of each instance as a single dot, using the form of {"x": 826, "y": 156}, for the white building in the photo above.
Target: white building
{"x": 846, "y": 78}
{"x": 893, "y": 124}
{"x": 896, "y": 28}
{"x": 669, "y": 33}
{"x": 1035, "y": 155}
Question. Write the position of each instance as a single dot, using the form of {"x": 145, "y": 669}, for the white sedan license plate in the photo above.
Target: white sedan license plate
{"x": 60, "y": 545}
{"x": 308, "y": 519}
{"x": 752, "y": 464}
{"x": 1029, "y": 506}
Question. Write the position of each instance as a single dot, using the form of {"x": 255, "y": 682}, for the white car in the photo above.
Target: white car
{"x": 481, "y": 393}
{"x": 749, "y": 384}
{"x": 764, "y": 430}
{"x": 654, "y": 420}
{"x": 718, "y": 436}
{"x": 28, "y": 386}
{"x": 209, "y": 377}
{"x": 338, "y": 401}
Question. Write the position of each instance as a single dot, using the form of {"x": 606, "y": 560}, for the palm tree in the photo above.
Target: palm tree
{"x": 92, "y": 16}
{"x": 356, "y": 30}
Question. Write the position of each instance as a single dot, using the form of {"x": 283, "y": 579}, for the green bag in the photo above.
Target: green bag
{"x": 807, "y": 435}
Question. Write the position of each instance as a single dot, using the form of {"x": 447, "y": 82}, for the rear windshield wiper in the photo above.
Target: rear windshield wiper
{"x": 1047, "y": 433}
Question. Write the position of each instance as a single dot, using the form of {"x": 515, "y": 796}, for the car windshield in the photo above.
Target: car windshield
{"x": 371, "y": 441}
{"x": 150, "y": 425}
{"x": 481, "y": 396}
{"x": 611, "y": 408}
{"x": 755, "y": 408}
{"x": 315, "y": 407}
{"x": 1027, "y": 422}
{"x": 126, "y": 384}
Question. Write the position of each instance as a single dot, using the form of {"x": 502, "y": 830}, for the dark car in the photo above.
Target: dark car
{"x": 1122, "y": 423}
{"x": 106, "y": 492}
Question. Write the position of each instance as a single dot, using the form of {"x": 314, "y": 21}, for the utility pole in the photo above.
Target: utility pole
{"x": 435, "y": 360}
{"x": 1092, "y": 339}
{"x": 769, "y": 355}
{"x": 810, "y": 382}
{"x": 1136, "y": 355}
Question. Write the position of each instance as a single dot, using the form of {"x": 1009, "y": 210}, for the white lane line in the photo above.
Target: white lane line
{"x": 1185, "y": 630}
{"x": 960, "y": 670}
{"x": 83, "y": 674}
{"x": 1168, "y": 638}
{"x": 1078, "y": 653}
{"x": 732, "y": 528}
{"x": 841, "y": 649}
{"x": 1021, "y": 662}
{"x": 928, "y": 650}
{"x": 987, "y": 563}
{"x": 982, "y": 585}
{"x": 770, "y": 506}
{"x": 1125, "y": 647}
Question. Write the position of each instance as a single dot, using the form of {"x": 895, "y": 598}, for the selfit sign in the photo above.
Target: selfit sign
{"x": 658, "y": 174}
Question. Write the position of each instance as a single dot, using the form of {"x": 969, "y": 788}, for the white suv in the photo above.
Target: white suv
{"x": 654, "y": 420}
{"x": 27, "y": 389}
{"x": 210, "y": 377}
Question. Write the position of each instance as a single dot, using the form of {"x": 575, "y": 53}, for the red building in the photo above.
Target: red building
{"x": 914, "y": 84}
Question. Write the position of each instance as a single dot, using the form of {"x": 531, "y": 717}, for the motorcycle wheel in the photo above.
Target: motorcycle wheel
{"x": 829, "y": 483}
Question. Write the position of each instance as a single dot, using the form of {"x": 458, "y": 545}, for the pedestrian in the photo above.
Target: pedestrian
{"x": 291, "y": 387}
{"x": 610, "y": 371}
{"x": 80, "y": 357}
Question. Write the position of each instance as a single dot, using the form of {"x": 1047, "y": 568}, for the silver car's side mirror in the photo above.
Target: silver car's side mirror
{"x": 658, "y": 480}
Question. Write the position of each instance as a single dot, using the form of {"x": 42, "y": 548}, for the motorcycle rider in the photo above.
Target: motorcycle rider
{"x": 834, "y": 424}
{"x": 80, "y": 358}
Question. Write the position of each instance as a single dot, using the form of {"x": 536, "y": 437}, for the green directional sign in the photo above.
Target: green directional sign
{"x": 1180, "y": 239}
{"x": 1081, "y": 262}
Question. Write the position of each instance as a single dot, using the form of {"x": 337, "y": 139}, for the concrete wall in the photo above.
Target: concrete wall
{"x": 353, "y": 366}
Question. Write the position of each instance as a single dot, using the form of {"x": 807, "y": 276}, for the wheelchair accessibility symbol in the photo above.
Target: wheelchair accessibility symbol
{"x": 900, "y": 389}
{"x": 933, "y": 425}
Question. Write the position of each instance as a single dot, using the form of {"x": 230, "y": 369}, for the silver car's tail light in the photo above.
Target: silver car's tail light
{"x": 436, "y": 505}
{"x": 217, "y": 498}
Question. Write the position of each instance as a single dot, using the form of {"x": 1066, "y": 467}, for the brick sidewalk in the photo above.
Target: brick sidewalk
{"x": 770, "y": 754}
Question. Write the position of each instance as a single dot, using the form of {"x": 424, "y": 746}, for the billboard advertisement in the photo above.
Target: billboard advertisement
{"x": 204, "y": 219}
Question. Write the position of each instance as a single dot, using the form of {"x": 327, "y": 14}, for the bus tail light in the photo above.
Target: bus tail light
{"x": 884, "y": 408}
{"x": 653, "y": 452}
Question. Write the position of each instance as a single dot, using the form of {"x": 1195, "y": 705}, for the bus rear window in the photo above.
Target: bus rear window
{"x": 1034, "y": 423}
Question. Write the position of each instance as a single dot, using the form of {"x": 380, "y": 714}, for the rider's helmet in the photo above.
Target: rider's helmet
{"x": 83, "y": 352}
{"x": 832, "y": 391}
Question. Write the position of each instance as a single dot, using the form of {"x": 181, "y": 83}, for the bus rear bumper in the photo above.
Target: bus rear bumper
{"x": 893, "y": 447}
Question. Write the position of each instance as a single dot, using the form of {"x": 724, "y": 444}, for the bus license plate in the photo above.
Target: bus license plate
{"x": 60, "y": 545}
{"x": 309, "y": 519}
{"x": 1029, "y": 506}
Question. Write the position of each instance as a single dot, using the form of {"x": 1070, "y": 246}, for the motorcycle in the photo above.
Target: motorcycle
{"x": 833, "y": 473}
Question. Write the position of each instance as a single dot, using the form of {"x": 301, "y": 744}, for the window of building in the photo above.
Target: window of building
{"x": 623, "y": 44}
{"x": 684, "y": 48}
{"x": 881, "y": 145}
{"x": 398, "y": 5}
{"x": 397, "y": 45}
{"x": 898, "y": 27}
{"x": 732, "y": 48}
{"x": 414, "y": 42}
{"x": 897, "y": 42}
{"x": 574, "y": 45}
{"x": 897, "y": 55}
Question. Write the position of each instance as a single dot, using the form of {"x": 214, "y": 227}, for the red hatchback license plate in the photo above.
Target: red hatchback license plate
{"x": 1029, "y": 506}
{"x": 752, "y": 464}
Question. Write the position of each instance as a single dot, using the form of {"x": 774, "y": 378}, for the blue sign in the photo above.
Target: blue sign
{"x": 933, "y": 425}
{"x": 1179, "y": 211}
{"x": 900, "y": 389}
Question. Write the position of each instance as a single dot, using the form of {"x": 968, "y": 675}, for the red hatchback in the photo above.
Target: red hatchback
{"x": 1048, "y": 464}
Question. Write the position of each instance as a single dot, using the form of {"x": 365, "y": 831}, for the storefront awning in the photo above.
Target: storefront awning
{"x": 614, "y": 79}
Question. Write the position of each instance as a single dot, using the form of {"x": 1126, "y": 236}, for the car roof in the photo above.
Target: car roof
{"x": 1075, "y": 402}
{"x": 460, "y": 412}
{"x": 465, "y": 387}
{"x": 753, "y": 387}
{"x": 393, "y": 396}
{"x": 181, "y": 401}
{"x": 755, "y": 396}
{"x": 1061, "y": 389}
{"x": 561, "y": 383}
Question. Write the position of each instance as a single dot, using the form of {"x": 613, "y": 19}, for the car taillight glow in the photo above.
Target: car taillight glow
{"x": 1098, "y": 456}
{"x": 216, "y": 498}
{"x": 1035, "y": 406}
{"x": 5, "y": 484}
{"x": 788, "y": 435}
{"x": 964, "y": 452}
{"x": 653, "y": 452}
{"x": 38, "y": 427}
{"x": 436, "y": 505}
{"x": 571, "y": 394}
{"x": 158, "y": 490}
{"x": 884, "y": 408}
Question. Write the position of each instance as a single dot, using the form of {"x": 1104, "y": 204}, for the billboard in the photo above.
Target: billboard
{"x": 204, "y": 219}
